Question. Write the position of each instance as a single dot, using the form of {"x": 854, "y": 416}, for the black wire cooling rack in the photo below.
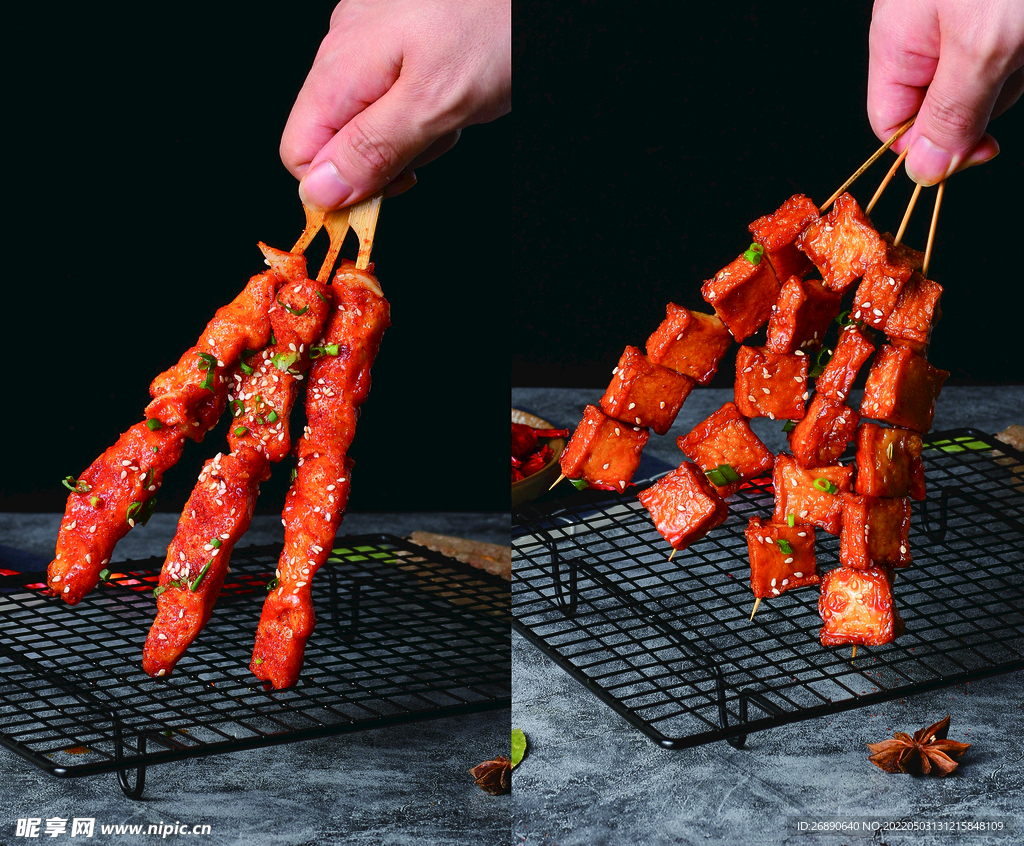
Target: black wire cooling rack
{"x": 403, "y": 634}
{"x": 669, "y": 646}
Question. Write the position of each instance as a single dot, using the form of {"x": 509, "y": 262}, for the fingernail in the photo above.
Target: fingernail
{"x": 323, "y": 188}
{"x": 926, "y": 163}
{"x": 981, "y": 157}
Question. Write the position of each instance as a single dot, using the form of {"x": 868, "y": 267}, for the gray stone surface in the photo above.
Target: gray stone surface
{"x": 398, "y": 785}
{"x": 590, "y": 778}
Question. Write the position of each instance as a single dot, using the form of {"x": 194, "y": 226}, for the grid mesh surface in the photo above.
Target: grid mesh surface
{"x": 402, "y": 634}
{"x": 669, "y": 646}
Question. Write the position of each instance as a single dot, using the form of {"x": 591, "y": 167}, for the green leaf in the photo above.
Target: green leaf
{"x": 518, "y": 746}
{"x": 579, "y": 484}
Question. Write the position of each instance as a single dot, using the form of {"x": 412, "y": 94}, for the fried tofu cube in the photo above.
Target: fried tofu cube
{"x": 689, "y": 342}
{"x": 857, "y": 607}
{"x": 879, "y": 290}
{"x": 644, "y": 393}
{"x": 780, "y": 566}
{"x": 778, "y": 232}
{"x": 726, "y": 438}
{"x": 842, "y": 245}
{"x": 742, "y": 294}
{"x": 771, "y": 385}
{"x": 902, "y": 388}
{"x": 875, "y": 531}
{"x": 916, "y": 311}
{"x": 889, "y": 462}
{"x": 822, "y": 435}
{"x": 853, "y": 349}
{"x": 802, "y": 315}
{"x": 684, "y": 505}
{"x": 603, "y": 451}
{"x": 812, "y": 494}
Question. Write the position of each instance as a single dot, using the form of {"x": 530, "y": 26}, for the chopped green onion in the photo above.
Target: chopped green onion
{"x": 791, "y": 519}
{"x": 579, "y": 484}
{"x": 753, "y": 255}
{"x": 298, "y": 312}
{"x": 192, "y": 587}
{"x": 245, "y": 368}
{"x": 154, "y": 425}
{"x": 821, "y": 362}
{"x": 208, "y": 364}
{"x": 215, "y": 543}
{"x": 273, "y": 340}
{"x": 824, "y": 485}
{"x": 727, "y": 471}
{"x": 717, "y": 477}
{"x": 237, "y": 408}
{"x": 104, "y": 575}
{"x": 134, "y": 509}
{"x": 790, "y": 426}
{"x": 76, "y": 485}
{"x": 260, "y": 420}
{"x": 321, "y": 296}
{"x": 167, "y": 733}
{"x": 272, "y": 584}
{"x": 272, "y": 417}
{"x": 784, "y": 546}
{"x": 282, "y": 361}
{"x": 147, "y": 511}
{"x": 259, "y": 661}
{"x": 240, "y": 431}
{"x": 295, "y": 473}
{"x": 158, "y": 590}
{"x": 95, "y": 501}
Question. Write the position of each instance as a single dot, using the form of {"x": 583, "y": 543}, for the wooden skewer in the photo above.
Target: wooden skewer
{"x": 336, "y": 223}
{"x": 314, "y": 220}
{"x": 906, "y": 216}
{"x": 854, "y": 655}
{"x": 559, "y": 479}
{"x": 364, "y": 222}
{"x": 931, "y": 229}
{"x": 674, "y": 551}
{"x": 887, "y": 180}
{"x": 874, "y": 157}
{"x": 756, "y": 603}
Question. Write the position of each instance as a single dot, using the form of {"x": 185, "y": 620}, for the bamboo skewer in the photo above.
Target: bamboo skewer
{"x": 906, "y": 216}
{"x": 559, "y": 479}
{"x": 364, "y": 221}
{"x": 931, "y": 229}
{"x": 314, "y": 220}
{"x": 336, "y": 223}
{"x": 886, "y": 181}
{"x": 874, "y": 157}
{"x": 756, "y": 603}
{"x": 674, "y": 551}
{"x": 854, "y": 655}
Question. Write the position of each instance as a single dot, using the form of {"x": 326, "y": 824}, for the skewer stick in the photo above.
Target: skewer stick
{"x": 931, "y": 229}
{"x": 336, "y": 223}
{"x": 559, "y": 479}
{"x": 364, "y": 222}
{"x": 887, "y": 180}
{"x": 854, "y": 655}
{"x": 674, "y": 551}
{"x": 314, "y": 220}
{"x": 874, "y": 157}
{"x": 756, "y": 603}
{"x": 906, "y": 216}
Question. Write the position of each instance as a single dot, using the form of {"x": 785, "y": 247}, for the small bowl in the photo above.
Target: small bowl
{"x": 528, "y": 489}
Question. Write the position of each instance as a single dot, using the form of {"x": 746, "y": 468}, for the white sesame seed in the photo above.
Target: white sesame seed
{"x": 785, "y": 582}
{"x": 773, "y": 582}
{"x": 162, "y": 672}
{"x": 631, "y": 406}
{"x": 67, "y": 588}
{"x": 56, "y": 579}
{"x": 162, "y": 636}
{"x": 788, "y": 561}
{"x": 798, "y": 575}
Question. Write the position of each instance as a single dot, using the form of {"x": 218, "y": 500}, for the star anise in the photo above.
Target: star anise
{"x": 495, "y": 776}
{"x": 928, "y": 748}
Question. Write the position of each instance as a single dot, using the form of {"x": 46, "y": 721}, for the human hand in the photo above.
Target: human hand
{"x": 955, "y": 65}
{"x": 392, "y": 85}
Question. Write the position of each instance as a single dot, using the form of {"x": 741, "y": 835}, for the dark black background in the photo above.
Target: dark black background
{"x": 650, "y": 134}
{"x": 142, "y": 169}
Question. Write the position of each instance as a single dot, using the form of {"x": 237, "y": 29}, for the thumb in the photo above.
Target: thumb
{"x": 367, "y": 152}
{"x": 952, "y": 118}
